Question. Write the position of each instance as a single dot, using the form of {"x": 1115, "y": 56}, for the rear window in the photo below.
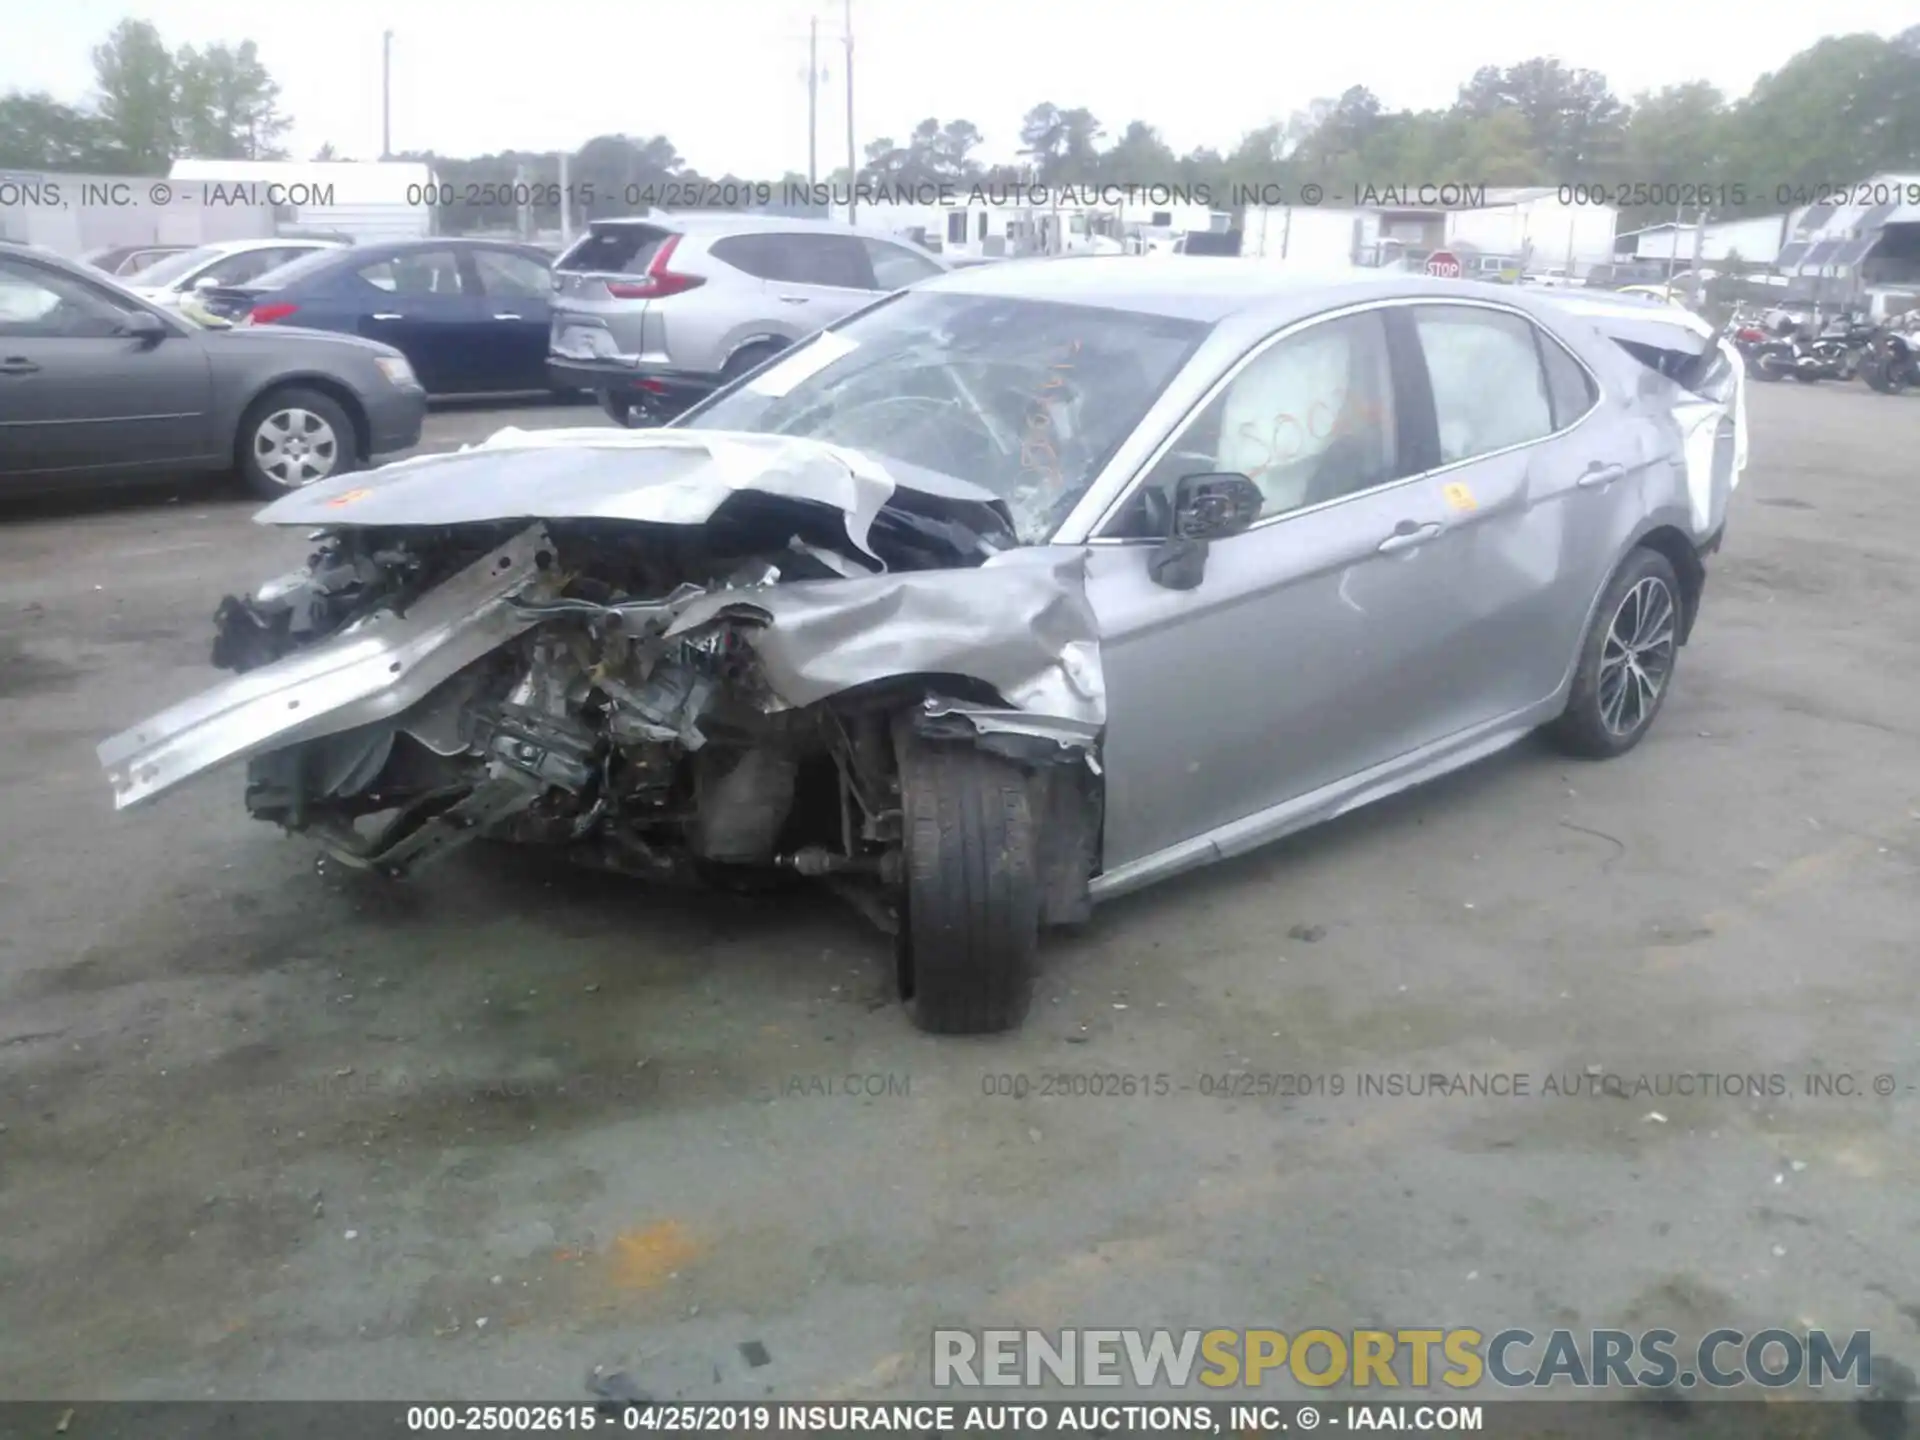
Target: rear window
{"x": 614, "y": 250}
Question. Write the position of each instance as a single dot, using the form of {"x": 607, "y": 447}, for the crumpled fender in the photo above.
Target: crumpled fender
{"x": 1021, "y": 623}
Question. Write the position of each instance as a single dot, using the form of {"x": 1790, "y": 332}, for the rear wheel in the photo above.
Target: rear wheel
{"x": 1626, "y": 662}
{"x": 970, "y": 921}
{"x": 751, "y": 358}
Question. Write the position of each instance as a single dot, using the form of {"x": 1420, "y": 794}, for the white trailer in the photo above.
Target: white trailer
{"x": 365, "y": 200}
{"x": 1303, "y": 234}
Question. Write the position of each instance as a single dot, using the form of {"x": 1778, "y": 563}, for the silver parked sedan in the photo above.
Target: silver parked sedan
{"x": 1017, "y": 590}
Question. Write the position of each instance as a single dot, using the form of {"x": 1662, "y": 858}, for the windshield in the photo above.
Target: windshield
{"x": 174, "y": 267}
{"x": 1026, "y": 398}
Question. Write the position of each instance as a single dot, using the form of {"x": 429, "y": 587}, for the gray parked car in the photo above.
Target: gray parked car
{"x": 654, "y": 314}
{"x": 98, "y": 384}
{"x": 1018, "y": 590}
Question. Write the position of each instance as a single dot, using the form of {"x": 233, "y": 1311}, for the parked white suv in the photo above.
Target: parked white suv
{"x": 225, "y": 262}
{"x": 654, "y": 314}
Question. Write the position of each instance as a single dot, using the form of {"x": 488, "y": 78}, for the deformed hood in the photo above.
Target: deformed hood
{"x": 668, "y": 477}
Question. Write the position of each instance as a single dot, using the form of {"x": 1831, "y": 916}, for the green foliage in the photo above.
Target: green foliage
{"x": 1841, "y": 110}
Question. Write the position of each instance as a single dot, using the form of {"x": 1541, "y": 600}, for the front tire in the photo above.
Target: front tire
{"x": 970, "y": 913}
{"x": 1626, "y": 661}
{"x": 292, "y": 438}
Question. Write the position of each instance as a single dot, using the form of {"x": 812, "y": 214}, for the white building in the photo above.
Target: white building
{"x": 979, "y": 224}
{"x": 1757, "y": 240}
{"x": 366, "y": 200}
{"x": 1865, "y": 253}
{"x": 1534, "y": 230}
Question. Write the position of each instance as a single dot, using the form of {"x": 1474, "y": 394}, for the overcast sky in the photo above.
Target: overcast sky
{"x": 725, "y": 79}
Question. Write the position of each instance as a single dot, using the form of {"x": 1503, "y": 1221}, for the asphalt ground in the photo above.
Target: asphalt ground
{"x": 275, "y": 1131}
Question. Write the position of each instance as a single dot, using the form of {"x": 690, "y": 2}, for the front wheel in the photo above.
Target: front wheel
{"x": 1626, "y": 661}
{"x": 293, "y": 438}
{"x": 970, "y": 922}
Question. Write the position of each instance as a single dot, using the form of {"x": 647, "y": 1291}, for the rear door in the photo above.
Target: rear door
{"x": 516, "y": 316}
{"x": 1543, "y": 488}
{"x": 77, "y": 396}
{"x": 818, "y": 277}
{"x": 416, "y": 301}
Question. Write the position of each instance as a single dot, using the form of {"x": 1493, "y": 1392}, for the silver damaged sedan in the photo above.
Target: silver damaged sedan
{"x": 1022, "y": 588}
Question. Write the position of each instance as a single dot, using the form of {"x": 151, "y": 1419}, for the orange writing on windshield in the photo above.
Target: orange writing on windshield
{"x": 1037, "y": 451}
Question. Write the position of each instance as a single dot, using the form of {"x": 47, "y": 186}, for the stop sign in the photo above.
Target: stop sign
{"x": 1444, "y": 262}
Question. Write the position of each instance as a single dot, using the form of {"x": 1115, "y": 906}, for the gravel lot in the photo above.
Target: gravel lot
{"x": 270, "y": 1130}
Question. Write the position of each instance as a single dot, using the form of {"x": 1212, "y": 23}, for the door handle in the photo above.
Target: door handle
{"x": 1605, "y": 475}
{"x": 506, "y": 317}
{"x": 387, "y": 315}
{"x": 17, "y": 365}
{"x": 1408, "y": 535}
{"x": 794, "y": 299}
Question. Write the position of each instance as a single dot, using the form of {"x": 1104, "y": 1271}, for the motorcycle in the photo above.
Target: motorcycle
{"x": 1840, "y": 348}
{"x": 1893, "y": 363}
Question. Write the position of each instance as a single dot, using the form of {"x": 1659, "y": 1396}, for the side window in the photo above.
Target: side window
{"x": 895, "y": 268}
{"x": 1308, "y": 420}
{"x": 833, "y": 260}
{"x": 43, "y": 304}
{"x": 415, "y": 272}
{"x": 1489, "y": 391}
{"x": 757, "y": 255}
{"x": 504, "y": 272}
{"x": 1569, "y": 386}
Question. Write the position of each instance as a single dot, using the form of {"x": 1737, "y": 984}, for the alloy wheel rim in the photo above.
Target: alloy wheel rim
{"x": 296, "y": 447}
{"x": 1637, "y": 657}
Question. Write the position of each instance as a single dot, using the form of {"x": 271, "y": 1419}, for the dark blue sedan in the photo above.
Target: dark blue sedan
{"x": 471, "y": 315}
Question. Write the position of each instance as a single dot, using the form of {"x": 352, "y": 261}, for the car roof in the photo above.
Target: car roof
{"x": 710, "y": 222}
{"x": 1208, "y": 288}
{"x": 271, "y": 242}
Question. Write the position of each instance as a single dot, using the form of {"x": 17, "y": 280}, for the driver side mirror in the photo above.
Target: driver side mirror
{"x": 206, "y": 282}
{"x": 146, "y": 328}
{"x": 1205, "y": 508}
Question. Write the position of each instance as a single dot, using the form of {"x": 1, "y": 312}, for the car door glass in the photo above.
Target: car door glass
{"x": 418, "y": 274}
{"x": 40, "y": 304}
{"x": 1569, "y": 386}
{"x": 1489, "y": 391}
{"x": 895, "y": 267}
{"x": 836, "y": 261}
{"x": 758, "y": 255}
{"x": 502, "y": 272}
{"x": 1308, "y": 420}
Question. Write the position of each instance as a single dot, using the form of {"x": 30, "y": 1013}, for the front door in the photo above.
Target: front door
{"x": 78, "y": 396}
{"x": 1309, "y": 650}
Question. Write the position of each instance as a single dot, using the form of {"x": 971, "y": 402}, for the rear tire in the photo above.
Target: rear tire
{"x": 618, "y": 410}
{"x": 970, "y": 912}
{"x": 751, "y": 358}
{"x": 292, "y": 438}
{"x": 1630, "y": 649}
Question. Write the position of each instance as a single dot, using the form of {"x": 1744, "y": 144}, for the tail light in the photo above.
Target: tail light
{"x": 659, "y": 280}
{"x": 267, "y": 314}
{"x": 1749, "y": 334}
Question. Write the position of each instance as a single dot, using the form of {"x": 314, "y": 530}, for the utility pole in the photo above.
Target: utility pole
{"x": 853, "y": 165}
{"x": 813, "y": 100}
{"x": 386, "y": 95}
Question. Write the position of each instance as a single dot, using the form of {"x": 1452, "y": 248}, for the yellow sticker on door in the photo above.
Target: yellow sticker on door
{"x": 1460, "y": 497}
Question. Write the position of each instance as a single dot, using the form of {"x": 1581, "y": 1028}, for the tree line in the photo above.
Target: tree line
{"x": 1844, "y": 108}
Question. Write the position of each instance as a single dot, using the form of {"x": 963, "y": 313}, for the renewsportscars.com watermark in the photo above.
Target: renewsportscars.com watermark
{"x": 1459, "y": 1358}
